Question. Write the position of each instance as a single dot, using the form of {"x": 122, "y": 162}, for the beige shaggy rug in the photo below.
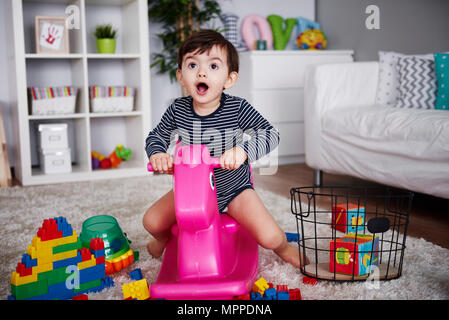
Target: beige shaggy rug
{"x": 22, "y": 210}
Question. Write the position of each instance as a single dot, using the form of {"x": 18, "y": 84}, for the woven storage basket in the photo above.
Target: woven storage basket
{"x": 111, "y": 99}
{"x": 52, "y": 100}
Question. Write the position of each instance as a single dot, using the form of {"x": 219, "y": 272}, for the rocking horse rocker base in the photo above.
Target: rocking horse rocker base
{"x": 209, "y": 255}
{"x": 235, "y": 277}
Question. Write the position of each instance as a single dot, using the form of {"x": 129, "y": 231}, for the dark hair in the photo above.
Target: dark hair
{"x": 203, "y": 41}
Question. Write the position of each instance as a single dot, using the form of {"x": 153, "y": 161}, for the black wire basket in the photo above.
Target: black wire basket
{"x": 351, "y": 233}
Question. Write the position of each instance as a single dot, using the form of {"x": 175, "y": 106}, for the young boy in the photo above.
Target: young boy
{"x": 208, "y": 64}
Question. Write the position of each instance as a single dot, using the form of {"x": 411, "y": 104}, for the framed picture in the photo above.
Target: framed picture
{"x": 52, "y": 34}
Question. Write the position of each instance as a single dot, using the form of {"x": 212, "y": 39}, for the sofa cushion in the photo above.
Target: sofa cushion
{"x": 417, "y": 83}
{"x": 442, "y": 72}
{"x": 407, "y": 132}
{"x": 388, "y": 84}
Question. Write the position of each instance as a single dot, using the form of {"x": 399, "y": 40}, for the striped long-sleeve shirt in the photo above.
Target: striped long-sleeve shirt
{"x": 221, "y": 130}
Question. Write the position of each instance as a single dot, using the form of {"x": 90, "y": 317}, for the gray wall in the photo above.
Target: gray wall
{"x": 407, "y": 26}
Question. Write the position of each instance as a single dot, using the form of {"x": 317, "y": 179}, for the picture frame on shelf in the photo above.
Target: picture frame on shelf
{"x": 52, "y": 35}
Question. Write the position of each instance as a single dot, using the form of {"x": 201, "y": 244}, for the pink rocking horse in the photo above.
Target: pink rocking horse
{"x": 209, "y": 256}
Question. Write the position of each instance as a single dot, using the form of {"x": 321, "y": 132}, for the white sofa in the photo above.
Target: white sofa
{"x": 346, "y": 132}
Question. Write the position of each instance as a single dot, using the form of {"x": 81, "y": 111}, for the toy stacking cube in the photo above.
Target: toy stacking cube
{"x": 345, "y": 217}
{"x": 366, "y": 254}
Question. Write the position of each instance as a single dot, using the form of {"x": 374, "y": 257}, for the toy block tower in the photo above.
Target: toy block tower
{"x": 354, "y": 255}
{"x": 347, "y": 217}
{"x": 55, "y": 266}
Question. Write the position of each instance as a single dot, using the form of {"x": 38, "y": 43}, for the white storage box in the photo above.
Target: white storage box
{"x": 55, "y": 161}
{"x": 111, "y": 99}
{"x": 53, "y": 136}
{"x": 53, "y": 100}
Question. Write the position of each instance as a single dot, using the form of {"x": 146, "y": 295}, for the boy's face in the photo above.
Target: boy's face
{"x": 206, "y": 75}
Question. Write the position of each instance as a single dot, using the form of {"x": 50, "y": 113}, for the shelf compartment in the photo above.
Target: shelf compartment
{"x": 44, "y": 73}
{"x": 119, "y": 14}
{"x": 107, "y": 132}
{"x": 31, "y": 9}
{"x": 116, "y": 72}
{"x": 77, "y": 138}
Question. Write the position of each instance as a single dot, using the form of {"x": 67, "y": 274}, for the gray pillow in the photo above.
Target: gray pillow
{"x": 417, "y": 83}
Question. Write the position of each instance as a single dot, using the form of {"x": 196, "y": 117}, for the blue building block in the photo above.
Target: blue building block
{"x": 28, "y": 262}
{"x": 93, "y": 273}
{"x": 292, "y": 237}
{"x": 255, "y": 296}
{"x": 283, "y": 295}
{"x": 107, "y": 282}
{"x": 270, "y": 294}
{"x": 136, "y": 274}
{"x": 64, "y": 226}
{"x": 67, "y": 262}
{"x": 98, "y": 253}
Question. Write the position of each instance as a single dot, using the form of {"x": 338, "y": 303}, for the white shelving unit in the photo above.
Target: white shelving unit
{"x": 81, "y": 68}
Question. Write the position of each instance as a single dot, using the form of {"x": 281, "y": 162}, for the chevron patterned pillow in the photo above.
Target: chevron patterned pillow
{"x": 417, "y": 83}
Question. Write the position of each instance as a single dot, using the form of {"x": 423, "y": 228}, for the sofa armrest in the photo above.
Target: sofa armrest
{"x": 330, "y": 86}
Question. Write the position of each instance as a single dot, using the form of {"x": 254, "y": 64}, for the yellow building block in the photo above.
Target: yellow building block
{"x": 43, "y": 267}
{"x": 260, "y": 286}
{"x": 65, "y": 255}
{"x": 17, "y": 280}
{"x": 39, "y": 244}
{"x": 136, "y": 290}
{"x": 88, "y": 263}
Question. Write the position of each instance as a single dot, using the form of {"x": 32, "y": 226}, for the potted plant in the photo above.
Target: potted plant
{"x": 179, "y": 19}
{"x": 105, "y": 38}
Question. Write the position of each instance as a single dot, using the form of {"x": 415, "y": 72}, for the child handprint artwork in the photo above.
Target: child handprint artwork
{"x": 51, "y": 35}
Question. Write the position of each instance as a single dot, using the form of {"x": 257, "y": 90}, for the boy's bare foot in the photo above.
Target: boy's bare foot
{"x": 156, "y": 248}
{"x": 290, "y": 254}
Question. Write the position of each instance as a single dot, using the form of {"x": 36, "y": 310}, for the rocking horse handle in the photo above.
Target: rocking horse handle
{"x": 214, "y": 162}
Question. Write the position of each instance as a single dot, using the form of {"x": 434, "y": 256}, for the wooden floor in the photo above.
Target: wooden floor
{"x": 429, "y": 218}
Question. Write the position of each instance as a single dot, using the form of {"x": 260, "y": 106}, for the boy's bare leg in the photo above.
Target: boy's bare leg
{"x": 157, "y": 221}
{"x": 249, "y": 211}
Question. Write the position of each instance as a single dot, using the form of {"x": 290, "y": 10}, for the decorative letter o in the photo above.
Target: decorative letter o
{"x": 248, "y": 33}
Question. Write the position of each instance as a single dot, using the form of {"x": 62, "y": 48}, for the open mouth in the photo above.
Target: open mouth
{"x": 202, "y": 88}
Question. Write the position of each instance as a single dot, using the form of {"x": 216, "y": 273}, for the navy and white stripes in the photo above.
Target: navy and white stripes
{"x": 234, "y": 123}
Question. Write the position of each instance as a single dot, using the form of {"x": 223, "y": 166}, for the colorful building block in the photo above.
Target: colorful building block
{"x": 308, "y": 280}
{"x": 283, "y": 295}
{"x": 347, "y": 217}
{"x": 136, "y": 274}
{"x": 260, "y": 286}
{"x": 294, "y": 294}
{"x": 354, "y": 255}
{"x": 136, "y": 290}
{"x": 43, "y": 272}
{"x": 292, "y": 237}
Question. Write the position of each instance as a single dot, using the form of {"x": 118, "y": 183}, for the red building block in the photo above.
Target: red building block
{"x": 281, "y": 287}
{"x": 307, "y": 280}
{"x": 295, "y": 294}
{"x": 85, "y": 254}
{"x": 81, "y": 297}
{"x": 23, "y": 271}
{"x": 100, "y": 260}
{"x": 96, "y": 244}
{"x": 49, "y": 230}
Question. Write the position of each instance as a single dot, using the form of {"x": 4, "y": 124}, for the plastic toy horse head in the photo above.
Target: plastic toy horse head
{"x": 209, "y": 254}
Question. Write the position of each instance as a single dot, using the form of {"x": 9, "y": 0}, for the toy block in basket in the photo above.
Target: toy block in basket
{"x": 362, "y": 251}
{"x": 52, "y": 100}
{"x": 346, "y": 216}
{"x": 111, "y": 99}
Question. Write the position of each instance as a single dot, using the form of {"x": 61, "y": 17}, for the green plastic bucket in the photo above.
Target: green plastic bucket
{"x": 107, "y": 228}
